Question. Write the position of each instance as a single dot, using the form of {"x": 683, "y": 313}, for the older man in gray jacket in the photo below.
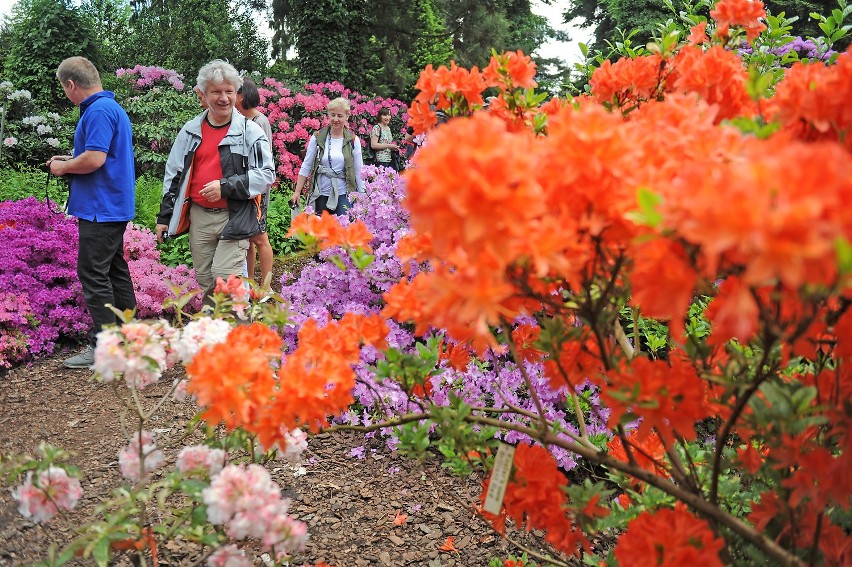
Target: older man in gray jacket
{"x": 219, "y": 168}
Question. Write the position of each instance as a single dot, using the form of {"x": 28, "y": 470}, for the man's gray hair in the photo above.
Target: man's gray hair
{"x": 216, "y": 72}
{"x": 80, "y": 70}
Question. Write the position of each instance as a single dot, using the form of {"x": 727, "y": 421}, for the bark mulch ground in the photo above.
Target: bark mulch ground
{"x": 348, "y": 504}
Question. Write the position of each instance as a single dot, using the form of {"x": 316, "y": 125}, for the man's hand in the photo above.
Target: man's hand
{"x": 57, "y": 165}
{"x": 212, "y": 191}
{"x": 160, "y": 229}
{"x": 294, "y": 198}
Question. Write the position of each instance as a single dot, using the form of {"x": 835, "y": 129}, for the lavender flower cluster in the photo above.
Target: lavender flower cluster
{"x": 323, "y": 290}
{"x": 805, "y": 48}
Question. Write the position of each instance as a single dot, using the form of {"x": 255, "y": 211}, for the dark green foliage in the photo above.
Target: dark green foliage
{"x": 157, "y": 116}
{"x": 17, "y": 184}
{"x": 149, "y": 194}
{"x": 42, "y": 34}
{"x": 805, "y": 26}
{"x": 110, "y": 20}
{"x": 380, "y": 47}
{"x": 185, "y": 34}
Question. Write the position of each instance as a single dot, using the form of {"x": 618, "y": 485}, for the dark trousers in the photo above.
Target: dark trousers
{"x": 392, "y": 164}
{"x": 342, "y": 205}
{"x": 103, "y": 271}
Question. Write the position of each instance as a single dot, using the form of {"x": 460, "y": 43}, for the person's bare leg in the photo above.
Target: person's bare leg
{"x": 264, "y": 255}
{"x": 250, "y": 259}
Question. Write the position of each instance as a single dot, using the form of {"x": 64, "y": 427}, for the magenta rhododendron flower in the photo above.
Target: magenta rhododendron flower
{"x": 53, "y": 491}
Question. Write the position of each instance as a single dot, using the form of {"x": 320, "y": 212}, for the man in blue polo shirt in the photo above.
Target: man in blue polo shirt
{"x": 102, "y": 195}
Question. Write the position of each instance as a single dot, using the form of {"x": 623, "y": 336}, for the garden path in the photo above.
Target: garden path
{"x": 349, "y": 504}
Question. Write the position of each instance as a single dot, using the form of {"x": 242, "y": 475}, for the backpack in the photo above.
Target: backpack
{"x": 369, "y": 152}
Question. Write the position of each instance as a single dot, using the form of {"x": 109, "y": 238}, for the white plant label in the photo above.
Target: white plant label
{"x": 499, "y": 478}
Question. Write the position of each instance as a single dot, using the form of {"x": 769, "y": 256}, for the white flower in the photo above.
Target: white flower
{"x": 44, "y": 129}
{"x": 54, "y": 116}
{"x": 10, "y": 141}
{"x": 52, "y": 142}
{"x": 20, "y": 94}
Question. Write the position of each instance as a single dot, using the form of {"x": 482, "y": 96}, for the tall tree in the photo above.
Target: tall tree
{"x": 41, "y": 34}
{"x": 185, "y": 34}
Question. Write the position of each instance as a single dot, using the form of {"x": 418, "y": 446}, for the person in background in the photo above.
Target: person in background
{"x": 218, "y": 169}
{"x": 102, "y": 196}
{"x": 381, "y": 140}
{"x": 333, "y": 161}
{"x": 247, "y": 100}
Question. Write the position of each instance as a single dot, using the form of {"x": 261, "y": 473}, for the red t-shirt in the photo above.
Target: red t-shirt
{"x": 206, "y": 165}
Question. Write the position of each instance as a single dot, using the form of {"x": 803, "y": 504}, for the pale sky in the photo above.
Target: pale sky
{"x": 567, "y": 51}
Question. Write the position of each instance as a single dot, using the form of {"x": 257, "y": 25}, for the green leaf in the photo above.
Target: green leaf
{"x": 844, "y": 255}
{"x": 100, "y": 553}
{"x": 647, "y": 214}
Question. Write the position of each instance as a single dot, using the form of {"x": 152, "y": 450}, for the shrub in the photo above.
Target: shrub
{"x": 38, "y": 265}
{"x": 30, "y": 136}
{"x": 149, "y": 195}
{"x": 41, "y": 301}
{"x": 29, "y": 181}
{"x": 152, "y": 281}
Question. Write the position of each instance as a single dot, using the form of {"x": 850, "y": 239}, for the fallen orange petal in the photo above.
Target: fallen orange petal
{"x": 400, "y": 519}
{"x": 448, "y": 545}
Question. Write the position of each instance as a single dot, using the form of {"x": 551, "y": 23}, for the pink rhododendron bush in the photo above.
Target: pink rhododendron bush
{"x": 294, "y": 116}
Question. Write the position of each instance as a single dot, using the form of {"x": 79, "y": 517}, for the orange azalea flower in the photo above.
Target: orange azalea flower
{"x": 670, "y": 397}
{"x": 698, "y": 34}
{"x": 745, "y": 14}
{"x": 668, "y": 538}
{"x": 331, "y": 233}
{"x": 717, "y": 75}
{"x": 812, "y": 101}
{"x": 647, "y": 451}
{"x": 751, "y": 458}
{"x": 628, "y": 80}
{"x": 421, "y": 117}
{"x": 662, "y": 282}
{"x": 510, "y": 70}
{"x": 232, "y": 380}
{"x": 535, "y": 497}
{"x": 524, "y": 337}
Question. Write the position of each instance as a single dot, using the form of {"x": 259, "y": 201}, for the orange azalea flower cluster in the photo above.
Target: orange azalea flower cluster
{"x": 715, "y": 75}
{"x": 688, "y": 541}
{"x": 745, "y": 14}
{"x": 812, "y": 102}
{"x": 439, "y": 89}
{"x": 535, "y": 497}
{"x": 665, "y": 202}
{"x": 330, "y": 233}
{"x": 240, "y": 383}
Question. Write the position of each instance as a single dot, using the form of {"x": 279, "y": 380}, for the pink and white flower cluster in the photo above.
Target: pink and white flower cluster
{"x": 201, "y": 333}
{"x": 228, "y": 556}
{"x": 248, "y": 501}
{"x": 53, "y": 490}
{"x": 139, "y": 351}
{"x": 237, "y": 292}
{"x": 129, "y": 457}
{"x": 295, "y": 443}
{"x": 200, "y": 458}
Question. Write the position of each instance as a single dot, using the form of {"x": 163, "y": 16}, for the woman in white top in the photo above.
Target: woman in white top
{"x": 333, "y": 162}
{"x": 381, "y": 140}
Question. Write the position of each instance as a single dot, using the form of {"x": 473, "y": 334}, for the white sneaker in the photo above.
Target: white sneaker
{"x": 85, "y": 359}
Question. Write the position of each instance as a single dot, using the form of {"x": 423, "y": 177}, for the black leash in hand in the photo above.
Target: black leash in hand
{"x": 50, "y": 204}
